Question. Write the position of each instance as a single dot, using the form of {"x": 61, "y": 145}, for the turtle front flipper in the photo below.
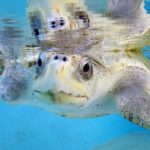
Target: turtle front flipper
{"x": 13, "y": 83}
{"x": 1, "y": 63}
{"x": 13, "y": 80}
{"x": 134, "y": 98}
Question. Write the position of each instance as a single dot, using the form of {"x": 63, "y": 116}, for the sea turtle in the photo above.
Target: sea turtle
{"x": 107, "y": 74}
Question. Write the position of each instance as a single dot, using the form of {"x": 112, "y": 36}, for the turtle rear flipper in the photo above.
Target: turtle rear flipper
{"x": 125, "y": 9}
{"x": 134, "y": 98}
{"x": 117, "y": 8}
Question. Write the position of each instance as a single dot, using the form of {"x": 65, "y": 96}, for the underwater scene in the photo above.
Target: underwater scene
{"x": 74, "y": 75}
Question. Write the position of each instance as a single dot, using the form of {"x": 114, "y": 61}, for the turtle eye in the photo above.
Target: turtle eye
{"x": 40, "y": 63}
{"x": 41, "y": 60}
{"x": 86, "y": 69}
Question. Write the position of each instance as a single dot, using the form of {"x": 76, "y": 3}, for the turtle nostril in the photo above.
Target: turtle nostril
{"x": 56, "y": 57}
{"x": 64, "y": 58}
{"x": 60, "y": 57}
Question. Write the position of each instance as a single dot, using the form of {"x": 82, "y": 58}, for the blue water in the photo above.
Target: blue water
{"x": 29, "y": 128}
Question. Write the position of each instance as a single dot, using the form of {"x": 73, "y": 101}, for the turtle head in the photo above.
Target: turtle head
{"x": 67, "y": 81}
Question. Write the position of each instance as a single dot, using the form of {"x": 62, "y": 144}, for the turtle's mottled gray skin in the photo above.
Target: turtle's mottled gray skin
{"x": 90, "y": 65}
{"x": 1, "y": 63}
